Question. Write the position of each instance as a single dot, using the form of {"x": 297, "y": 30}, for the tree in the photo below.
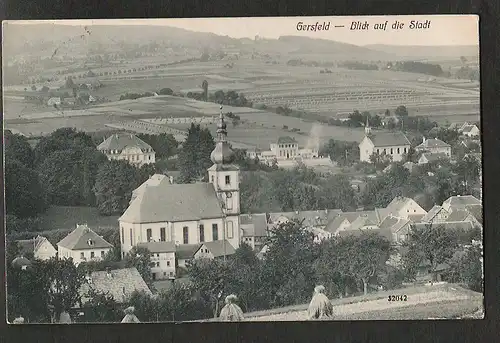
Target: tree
{"x": 466, "y": 266}
{"x": 401, "y": 111}
{"x": 194, "y": 157}
{"x": 101, "y": 307}
{"x": 338, "y": 193}
{"x": 45, "y": 89}
{"x": 287, "y": 273}
{"x": 369, "y": 264}
{"x": 64, "y": 282}
{"x": 69, "y": 176}
{"x": 61, "y": 139}
{"x": 114, "y": 184}
{"x": 166, "y": 91}
{"x": 211, "y": 277}
{"x": 18, "y": 148}
{"x": 165, "y": 145}
{"x": 432, "y": 245}
{"x": 140, "y": 258}
{"x": 24, "y": 193}
{"x": 204, "y": 85}
{"x": 387, "y": 113}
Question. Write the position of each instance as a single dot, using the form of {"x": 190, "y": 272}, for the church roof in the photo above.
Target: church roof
{"x": 83, "y": 238}
{"x": 174, "y": 203}
{"x": 121, "y": 141}
{"x": 389, "y": 139}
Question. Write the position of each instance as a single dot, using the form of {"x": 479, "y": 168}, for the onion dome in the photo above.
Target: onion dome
{"x": 222, "y": 154}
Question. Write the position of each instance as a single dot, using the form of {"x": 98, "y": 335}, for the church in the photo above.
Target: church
{"x": 187, "y": 214}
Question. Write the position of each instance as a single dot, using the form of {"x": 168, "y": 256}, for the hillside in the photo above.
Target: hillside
{"x": 424, "y": 52}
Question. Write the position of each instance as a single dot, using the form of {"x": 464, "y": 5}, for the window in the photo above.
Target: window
{"x": 398, "y": 150}
{"x": 164, "y": 273}
{"x": 202, "y": 233}
{"x": 185, "y": 234}
{"x": 149, "y": 157}
{"x": 392, "y": 151}
{"x": 215, "y": 232}
{"x": 158, "y": 255}
{"x": 229, "y": 203}
{"x": 230, "y": 229}
{"x": 404, "y": 150}
{"x": 82, "y": 255}
{"x": 148, "y": 235}
{"x": 168, "y": 263}
{"x": 123, "y": 235}
{"x": 102, "y": 253}
{"x": 384, "y": 151}
{"x": 92, "y": 254}
{"x": 212, "y": 178}
{"x": 228, "y": 180}
{"x": 131, "y": 241}
{"x": 162, "y": 234}
{"x": 157, "y": 264}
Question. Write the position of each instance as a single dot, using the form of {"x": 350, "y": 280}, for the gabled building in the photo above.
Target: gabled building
{"x": 434, "y": 146}
{"x": 403, "y": 207}
{"x": 187, "y": 214}
{"x": 459, "y": 202}
{"x": 127, "y": 147}
{"x": 39, "y": 247}
{"x": 437, "y": 214}
{"x": 394, "y": 144}
{"x": 83, "y": 245}
{"x": 470, "y": 131}
{"x": 119, "y": 283}
{"x": 162, "y": 259}
{"x": 254, "y": 229}
{"x": 185, "y": 253}
{"x": 214, "y": 249}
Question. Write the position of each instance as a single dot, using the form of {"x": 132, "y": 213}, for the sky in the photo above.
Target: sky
{"x": 444, "y": 29}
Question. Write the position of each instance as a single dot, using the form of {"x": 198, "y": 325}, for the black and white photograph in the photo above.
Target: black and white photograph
{"x": 243, "y": 169}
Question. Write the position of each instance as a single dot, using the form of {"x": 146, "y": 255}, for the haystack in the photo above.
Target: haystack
{"x": 130, "y": 317}
{"x": 320, "y": 306}
{"x": 231, "y": 312}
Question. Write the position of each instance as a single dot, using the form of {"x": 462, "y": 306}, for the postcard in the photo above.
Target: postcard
{"x": 243, "y": 169}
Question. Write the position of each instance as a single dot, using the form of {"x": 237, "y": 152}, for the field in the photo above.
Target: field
{"x": 332, "y": 94}
{"x": 426, "y": 302}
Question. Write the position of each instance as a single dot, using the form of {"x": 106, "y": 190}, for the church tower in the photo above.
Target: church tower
{"x": 225, "y": 177}
{"x": 368, "y": 130}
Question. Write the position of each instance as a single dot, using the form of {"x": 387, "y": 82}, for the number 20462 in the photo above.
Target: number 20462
{"x": 398, "y": 298}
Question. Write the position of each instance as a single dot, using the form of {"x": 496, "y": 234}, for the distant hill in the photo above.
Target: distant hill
{"x": 427, "y": 52}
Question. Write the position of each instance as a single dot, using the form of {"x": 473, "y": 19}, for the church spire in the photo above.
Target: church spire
{"x": 367, "y": 127}
{"x": 222, "y": 154}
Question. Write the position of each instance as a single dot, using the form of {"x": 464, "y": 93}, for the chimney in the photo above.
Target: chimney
{"x": 423, "y": 139}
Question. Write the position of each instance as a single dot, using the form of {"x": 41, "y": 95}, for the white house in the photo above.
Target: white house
{"x": 460, "y": 202}
{"x": 286, "y": 148}
{"x": 394, "y": 144}
{"x": 127, "y": 147}
{"x": 214, "y": 249}
{"x": 39, "y": 246}
{"x": 188, "y": 213}
{"x": 405, "y": 208}
{"x": 434, "y": 146}
{"x": 437, "y": 214}
{"x": 54, "y": 101}
{"x": 162, "y": 259}
{"x": 470, "y": 131}
{"x": 82, "y": 245}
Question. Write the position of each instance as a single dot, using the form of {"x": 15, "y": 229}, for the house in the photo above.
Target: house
{"x": 464, "y": 216}
{"x": 82, "y": 245}
{"x": 39, "y": 247}
{"x": 434, "y": 146}
{"x": 319, "y": 234}
{"x": 470, "y": 131}
{"x": 54, "y": 101}
{"x": 447, "y": 225}
{"x": 162, "y": 259}
{"x": 403, "y": 207}
{"x": 430, "y": 157}
{"x": 437, "y": 214}
{"x": 460, "y": 202}
{"x": 286, "y": 148}
{"x": 214, "y": 249}
{"x": 343, "y": 221}
{"x": 394, "y": 144}
{"x": 185, "y": 253}
{"x": 458, "y": 126}
{"x": 127, "y": 147}
{"x": 254, "y": 229}
{"x": 397, "y": 228}
{"x": 21, "y": 262}
{"x": 119, "y": 283}
{"x": 188, "y": 213}
{"x": 409, "y": 166}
